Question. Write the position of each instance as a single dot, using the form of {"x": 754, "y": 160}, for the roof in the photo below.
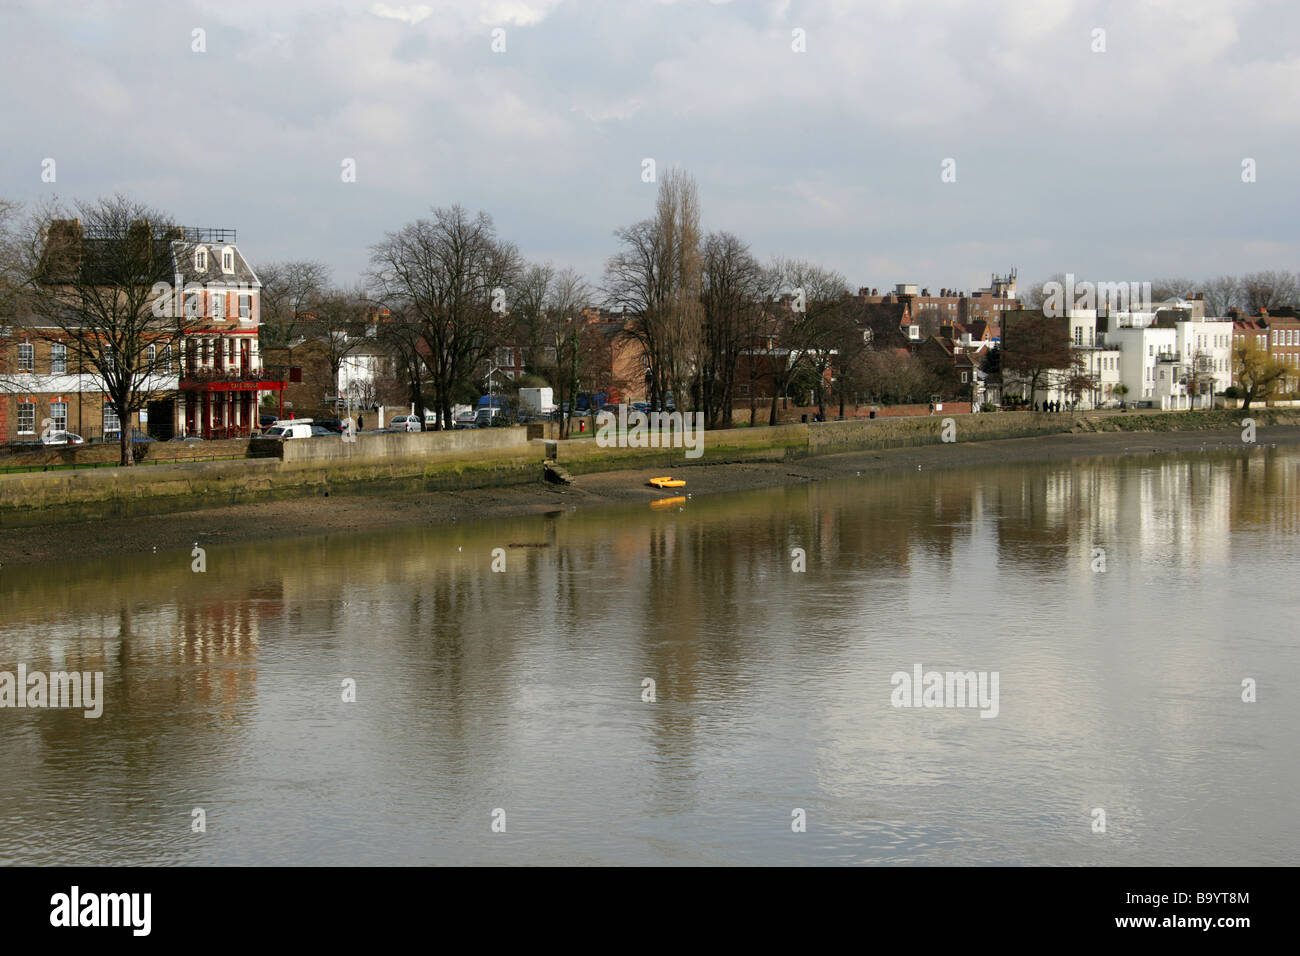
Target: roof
{"x": 243, "y": 273}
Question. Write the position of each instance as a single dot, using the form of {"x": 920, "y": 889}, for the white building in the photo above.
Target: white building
{"x": 1171, "y": 362}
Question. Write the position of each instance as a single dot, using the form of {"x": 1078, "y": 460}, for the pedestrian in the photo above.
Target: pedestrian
{"x": 361, "y": 423}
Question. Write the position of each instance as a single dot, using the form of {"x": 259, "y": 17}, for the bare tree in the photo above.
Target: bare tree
{"x": 102, "y": 285}
{"x": 1033, "y": 297}
{"x": 288, "y": 289}
{"x": 1222, "y": 294}
{"x": 656, "y": 276}
{"x": 732, "y": 292}
{"x": 12, "y": 276}
{"x": 803, "y": 325}
{"x": 1268, "y": 290}
{"x": 450, "y": 275}
{"x": 563, "y": 331}
{"x": 1175, "y": 288}
{"x": 1037, "y": 350}
{"x": 528, "y": 302}
{"x": 403, "y": 338}
{"x": 336, "y": 318}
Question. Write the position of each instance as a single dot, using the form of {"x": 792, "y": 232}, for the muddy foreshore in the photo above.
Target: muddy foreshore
{"x": 360, "y": 512}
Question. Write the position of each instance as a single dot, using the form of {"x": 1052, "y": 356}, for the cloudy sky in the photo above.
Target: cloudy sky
{"x": 1118, "y": 165}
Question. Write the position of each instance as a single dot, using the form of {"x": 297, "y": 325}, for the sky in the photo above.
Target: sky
{"x": 1117, "y": 156}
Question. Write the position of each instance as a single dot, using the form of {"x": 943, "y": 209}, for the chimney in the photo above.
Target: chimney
{"x": 62, "y": 247}
{"x": 139, "y": 237}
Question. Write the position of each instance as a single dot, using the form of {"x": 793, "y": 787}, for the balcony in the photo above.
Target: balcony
{"x": 236, "y": 378}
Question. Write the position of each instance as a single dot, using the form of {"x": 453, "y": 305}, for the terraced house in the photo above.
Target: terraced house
{"x": 194, "y": 357}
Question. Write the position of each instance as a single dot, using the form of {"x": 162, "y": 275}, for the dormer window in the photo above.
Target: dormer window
{"x": 201, "y": 259}
{"x": 228, "y": 260}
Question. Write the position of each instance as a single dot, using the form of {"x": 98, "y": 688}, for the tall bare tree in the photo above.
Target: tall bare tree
{"x": 656, "y": 276}
{"x": 450, "y": 274}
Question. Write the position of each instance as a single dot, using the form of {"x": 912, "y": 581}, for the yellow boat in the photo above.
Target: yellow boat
{"x": 668, "y": 482}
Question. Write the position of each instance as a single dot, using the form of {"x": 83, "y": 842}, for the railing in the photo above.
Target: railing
{"x": 236, "y": 373}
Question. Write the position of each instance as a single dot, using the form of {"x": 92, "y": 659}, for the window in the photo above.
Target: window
{"x": 245, "y": 306}
{"x": 1078, "y": 335}
{"x": 59, "y": 412}
{"x": 963, "y": 376}
{"x": 26, "y": 356}
{"x": 201, "y": 259}
{"x": 191, "y": 305}
{"x": 112, "y": 423}
{"x": 152, "y": 353}
{"x": 218, "y": 305}
{"x": 26, "y": 418}
{"x": 58, "y": 359}
{"x": 167, "y": 359}
{"x": 228, "y": 259}
{"x": 108, "y": 357}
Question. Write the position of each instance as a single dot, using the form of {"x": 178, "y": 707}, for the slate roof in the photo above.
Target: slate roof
{"x": 184, "y": 253}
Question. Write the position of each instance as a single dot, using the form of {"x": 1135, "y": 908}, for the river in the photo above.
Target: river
{"x": 506, "y": 716}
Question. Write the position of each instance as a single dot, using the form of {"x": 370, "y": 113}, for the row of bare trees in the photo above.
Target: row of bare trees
{"x": 1269, "y": 289}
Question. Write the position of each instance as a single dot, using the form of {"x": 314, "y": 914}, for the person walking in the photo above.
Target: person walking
{"x": 361, "y": 423}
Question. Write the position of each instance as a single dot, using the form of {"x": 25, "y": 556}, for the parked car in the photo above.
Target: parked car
{"x": 266, "y": 421}
{"x": 320, "y": 431}
{"x": 62, "y": 438}
{"x": 302, "y": 428}
{"x": 407, "y": 423}
{"x": 333, "y": 425}
{"x": 186, "y": 438}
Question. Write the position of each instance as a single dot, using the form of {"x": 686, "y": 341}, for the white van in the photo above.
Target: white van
{"x": 290, "y": 428}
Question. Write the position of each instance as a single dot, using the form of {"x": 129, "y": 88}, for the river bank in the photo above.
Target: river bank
{"x": 343, "y": 514}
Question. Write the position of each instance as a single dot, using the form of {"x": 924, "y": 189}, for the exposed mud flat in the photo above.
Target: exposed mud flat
{"x": 357, "y": 512}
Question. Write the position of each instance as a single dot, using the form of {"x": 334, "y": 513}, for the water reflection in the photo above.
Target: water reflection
{"x": 522, "y": 690}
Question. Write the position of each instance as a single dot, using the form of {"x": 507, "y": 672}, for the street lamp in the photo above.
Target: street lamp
{"x": 492, "y": 370}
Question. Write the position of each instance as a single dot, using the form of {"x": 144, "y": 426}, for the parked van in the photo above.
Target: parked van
{"x": 290, "y": 428}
